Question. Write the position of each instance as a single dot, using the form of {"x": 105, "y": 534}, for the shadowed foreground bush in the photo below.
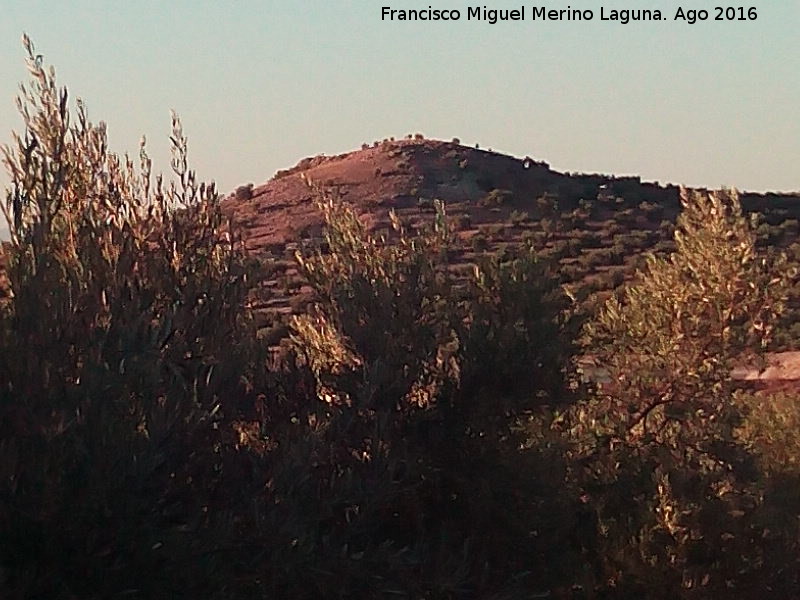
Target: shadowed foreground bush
{"x": 124, "y": 350}
{"x": 149, "y": 448}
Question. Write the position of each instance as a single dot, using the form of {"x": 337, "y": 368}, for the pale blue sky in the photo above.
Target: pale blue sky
{"x": 261, "y": 84}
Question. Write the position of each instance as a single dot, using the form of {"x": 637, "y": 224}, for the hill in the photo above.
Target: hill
{"x": 596, "y": 226}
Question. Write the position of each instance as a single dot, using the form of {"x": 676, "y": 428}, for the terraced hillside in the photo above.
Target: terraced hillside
{"x": 597, "y": 226}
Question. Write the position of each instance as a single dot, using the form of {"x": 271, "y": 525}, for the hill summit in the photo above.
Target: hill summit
{"x": 406, "y": 175}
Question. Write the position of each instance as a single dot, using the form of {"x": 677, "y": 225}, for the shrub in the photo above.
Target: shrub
{"x": 666, "y": 468}
{"x": 492, "y": 230}
{"x": 560, "y": 248}
{"x": 425, "y": 204}
{"x": 548, "y": 204}
{"x": 616, "y": 278}
{"x": 125, "y": 352}
{"x": 518, "y": 218}
{"x": 495, "y": 198}
{"x": 771, "y": 429}
{"x": 651, "y": 209}
{"x": 548, "y": 225}
{"x": 426, "y": 386}
{"x": 462, "y": 221}
{"x": 244, "y": 192}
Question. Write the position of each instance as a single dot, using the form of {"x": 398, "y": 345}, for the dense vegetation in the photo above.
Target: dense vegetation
{"x": 421, "y": 436}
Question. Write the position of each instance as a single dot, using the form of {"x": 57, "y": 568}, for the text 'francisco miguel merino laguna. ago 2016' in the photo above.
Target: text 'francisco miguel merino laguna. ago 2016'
{"x": 523, "y": 13}
{"x": 542, "y": 13}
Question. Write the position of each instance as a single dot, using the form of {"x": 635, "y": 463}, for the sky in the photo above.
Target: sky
{"x": 260, "y": 84}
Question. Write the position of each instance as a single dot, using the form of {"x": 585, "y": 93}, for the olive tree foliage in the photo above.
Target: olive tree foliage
{"x": 426, "y": 380}
{"x": 393, "y": 305}
{"x": 147, "y": 450}
{"x": 386, "y": 302}
{"x": 96, "y": 241}
{"x": 119, "y": 345}
{"x": 678, "y": 496}
{"x": 671, "y": 341}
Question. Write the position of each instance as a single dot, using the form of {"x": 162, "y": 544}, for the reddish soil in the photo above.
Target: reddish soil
{"x": 397, "y": 174}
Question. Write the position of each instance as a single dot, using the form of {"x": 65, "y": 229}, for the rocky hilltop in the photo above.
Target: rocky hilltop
{"x": 406, "y": 175}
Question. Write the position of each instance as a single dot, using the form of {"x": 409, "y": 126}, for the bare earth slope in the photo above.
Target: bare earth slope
{"x": 397, "y": 174}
